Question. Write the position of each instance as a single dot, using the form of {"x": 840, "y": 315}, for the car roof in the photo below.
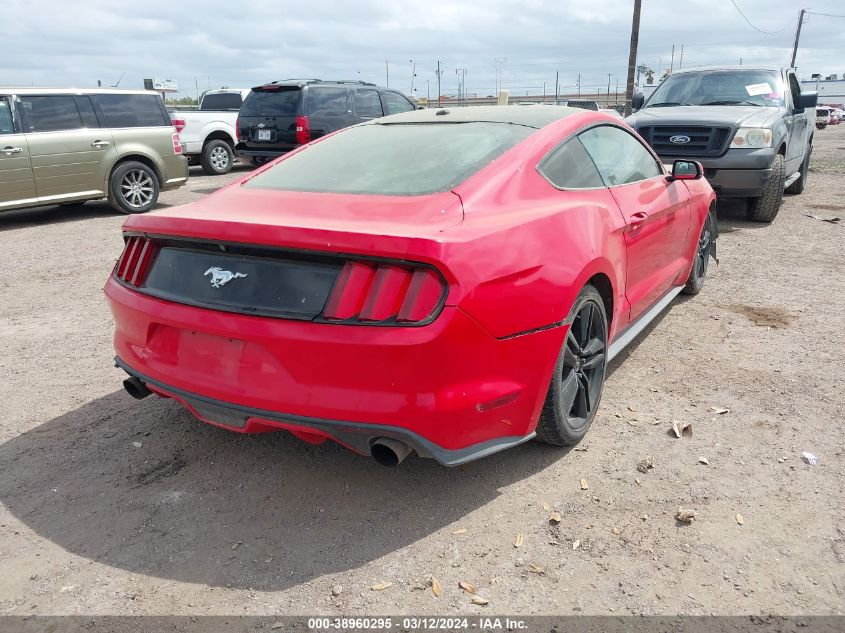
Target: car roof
{"x": 536, "y": 116}
{"x": 308, "y": 82}
{"x": 73, "y": 91}
{"x": 728, "y": 68}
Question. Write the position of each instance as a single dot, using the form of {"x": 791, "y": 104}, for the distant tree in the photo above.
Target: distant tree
{"x": 182, "y": 101}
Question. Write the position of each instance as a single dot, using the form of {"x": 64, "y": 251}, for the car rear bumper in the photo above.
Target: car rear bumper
{"x": 249, "y": 152}
{"x": 449, "y": 389}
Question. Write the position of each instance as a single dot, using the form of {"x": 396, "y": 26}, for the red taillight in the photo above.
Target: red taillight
{"x": 179, "y": 124}
{"x": 134, "y": 262}
{"x": 384, "y": 293}
{"x": 177, "y": 143}
{"x": 303, "y": 130}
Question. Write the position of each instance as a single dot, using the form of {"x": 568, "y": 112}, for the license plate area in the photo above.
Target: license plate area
{"x": 264, "y": 135}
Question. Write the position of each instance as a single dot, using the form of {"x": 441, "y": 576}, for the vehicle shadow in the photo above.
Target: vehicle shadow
{"x": 731, "y": 216}
{"x": 144, "y": 487}
{"x": 56, "y": 214}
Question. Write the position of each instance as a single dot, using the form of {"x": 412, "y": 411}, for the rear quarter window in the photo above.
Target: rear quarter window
{"x": 327, "y": 101}
{"x": 50, "y": 113}
{"x": 132, "y": 110}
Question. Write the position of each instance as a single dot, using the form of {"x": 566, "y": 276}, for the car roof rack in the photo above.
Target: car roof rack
{"x": 279, "y": 81}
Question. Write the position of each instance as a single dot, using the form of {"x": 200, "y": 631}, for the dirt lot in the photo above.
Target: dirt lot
{"x": 114, "y": 506}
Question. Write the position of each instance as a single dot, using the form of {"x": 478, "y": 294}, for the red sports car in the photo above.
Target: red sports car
{"x": 451, "y": 282}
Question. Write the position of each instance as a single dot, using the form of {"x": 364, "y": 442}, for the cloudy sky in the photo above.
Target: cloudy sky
{"x": 239, "y": 44}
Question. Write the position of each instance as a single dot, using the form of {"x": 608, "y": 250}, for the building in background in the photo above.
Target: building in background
{"x": 831, "y": 89}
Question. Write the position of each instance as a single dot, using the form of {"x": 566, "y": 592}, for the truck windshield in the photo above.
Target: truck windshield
{"x": 719, "y": 87}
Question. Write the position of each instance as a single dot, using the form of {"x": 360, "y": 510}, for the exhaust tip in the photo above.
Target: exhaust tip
{"x": 135, "y": 388}
{"x": 389, "y": 452}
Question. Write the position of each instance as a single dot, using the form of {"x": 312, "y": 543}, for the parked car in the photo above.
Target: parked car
{"x": 67, "y": 146}
{"x": 447, "y": 281}
{"x": 822, "y": 118}
{"x": 282, "y": 115}
{"x": 209, "y": 132}
{"x": 835, "y": 116}
{"x": 748, "y": 126}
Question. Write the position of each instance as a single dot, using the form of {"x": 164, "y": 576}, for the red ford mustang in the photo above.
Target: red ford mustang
{"x": 449, "y": 282}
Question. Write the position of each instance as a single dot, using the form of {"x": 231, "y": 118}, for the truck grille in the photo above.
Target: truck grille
{"x": 703, "y": 141}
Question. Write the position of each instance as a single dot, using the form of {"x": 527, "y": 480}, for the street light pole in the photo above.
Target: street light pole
{"x": 499, "y": 62}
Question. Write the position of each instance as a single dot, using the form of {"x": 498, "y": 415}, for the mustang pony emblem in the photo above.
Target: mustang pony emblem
{"x": 220, "y": 277}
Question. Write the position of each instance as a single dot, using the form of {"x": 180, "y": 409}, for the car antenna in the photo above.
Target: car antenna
{"x": 119, "y": 80}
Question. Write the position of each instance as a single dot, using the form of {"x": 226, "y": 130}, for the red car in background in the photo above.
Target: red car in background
{"x": 449, "y": 282}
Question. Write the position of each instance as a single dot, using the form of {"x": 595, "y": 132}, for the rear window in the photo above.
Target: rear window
{"x": 276, "y": 102}
{"x": 393, "y": 160}
{"x": 222, "y": 101}
{"x": 132, "y": 110}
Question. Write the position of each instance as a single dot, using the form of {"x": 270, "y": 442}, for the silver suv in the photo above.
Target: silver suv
{"x": 59, "y": 146}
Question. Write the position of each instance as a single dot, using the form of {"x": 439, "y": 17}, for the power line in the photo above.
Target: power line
{"x": 827, "y": 15}
{"x": 751, "y": 25}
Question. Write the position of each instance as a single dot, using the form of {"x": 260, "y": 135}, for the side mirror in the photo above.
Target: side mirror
{"x": 637, "y": 101}
{"x": 686, "y": 170}
{"x": 808, "y": 99}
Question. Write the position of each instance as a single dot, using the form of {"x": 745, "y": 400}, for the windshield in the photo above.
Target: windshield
{"x": 394, "y": 159}
{"x": 719, "y": 87}
{"x": 282, "y": 101}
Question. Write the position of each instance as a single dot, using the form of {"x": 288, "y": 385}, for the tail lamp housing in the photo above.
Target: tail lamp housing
{"x": 372, "y": 293}
{"x": 303, "y": 130}
{"x": 177, "y": 143}
{"x": 179, "y": 124}
{"x": 135, "y": 261}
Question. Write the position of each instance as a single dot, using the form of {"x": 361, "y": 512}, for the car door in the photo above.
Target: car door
{"x": 66, "y": 146}
{"x": 17, "y": 184}
{"x": 798, "y": 125}
{"x": 656, "y": 212}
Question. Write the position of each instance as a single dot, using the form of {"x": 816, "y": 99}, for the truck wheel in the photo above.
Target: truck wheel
{"x": 133, "y": 187}
{"x": 766, "y": 207}
{"x": 798, "y": 186}
{"x": 217, "y": 157}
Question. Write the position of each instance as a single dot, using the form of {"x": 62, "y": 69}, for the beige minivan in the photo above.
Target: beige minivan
{"x": 60, "y": 146}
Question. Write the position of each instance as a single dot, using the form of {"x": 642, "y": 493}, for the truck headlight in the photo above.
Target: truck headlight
{"x": 752, "y": 137}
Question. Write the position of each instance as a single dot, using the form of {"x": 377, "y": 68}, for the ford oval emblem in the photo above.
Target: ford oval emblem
{"x": 679, "y": 139}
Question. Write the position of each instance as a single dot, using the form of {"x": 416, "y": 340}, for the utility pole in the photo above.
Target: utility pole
{"x": 544, "y": 91}
{"x": 608, "y": 87}
{"x": 428, "y": 91}
{"x": 681, "y": 63}
{"x": 413, "y": 74}
{"x": 386, "y": 74}
{"x": 632, "y": 54}
{"x": 557, "y": 86}
{"x": 672, "y": 63}
{"x": 797, "y": 37}
{"x": 579, "y": 84}
{"x": 438, "y": 83}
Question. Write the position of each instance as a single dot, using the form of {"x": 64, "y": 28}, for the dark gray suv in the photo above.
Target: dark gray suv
{"x": 750, "y": 127}
{"x": 280, "y": 116}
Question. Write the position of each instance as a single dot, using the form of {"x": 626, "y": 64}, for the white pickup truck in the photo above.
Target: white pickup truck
{"x": 209, "y": 132}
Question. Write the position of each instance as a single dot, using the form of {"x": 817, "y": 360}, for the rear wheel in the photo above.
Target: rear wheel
{"x": 576, "y": 386}
{"x": 133, "y": 187}
{"x": 217, "y": 157}
{"x": 695, "y": 281}
{"x": 766, "y": 207}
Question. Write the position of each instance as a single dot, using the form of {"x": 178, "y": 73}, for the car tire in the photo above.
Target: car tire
{"x": 575, "y": 389}
{"x": 124, "y": 196}
{"x": 797, "y": 187}
{"x": 703, "y": 249}
{"x": 217, "y": 157}
{"x": 766, "y": 207}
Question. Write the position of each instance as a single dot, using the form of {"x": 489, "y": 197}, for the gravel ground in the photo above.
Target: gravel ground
{"x": 114, "y": 506}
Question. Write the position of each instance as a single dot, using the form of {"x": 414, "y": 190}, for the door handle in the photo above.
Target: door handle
{"x": 9, "y": 150}
{"x": 639, "y": 216}
{"x": 100, "y": 144}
